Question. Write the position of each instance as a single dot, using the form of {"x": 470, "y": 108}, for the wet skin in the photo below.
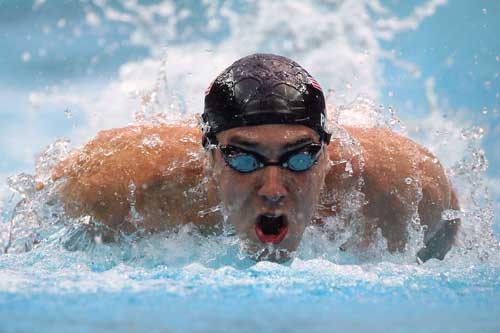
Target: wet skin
{"x": 272, "y": 190}
{"x": 177, "y": 182}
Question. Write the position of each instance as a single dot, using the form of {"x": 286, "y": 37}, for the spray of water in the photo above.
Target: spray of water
{"x": 163, "y": 89}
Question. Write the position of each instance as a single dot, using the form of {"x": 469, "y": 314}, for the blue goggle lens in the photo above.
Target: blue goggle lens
{"x": 243, "y": 161}
{"x": 300, "y": 162}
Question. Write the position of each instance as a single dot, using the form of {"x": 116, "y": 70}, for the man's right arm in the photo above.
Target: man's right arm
{"x": 138, "y": 176}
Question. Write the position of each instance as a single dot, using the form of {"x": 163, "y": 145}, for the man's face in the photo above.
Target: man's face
{"x": 269, "y": 207}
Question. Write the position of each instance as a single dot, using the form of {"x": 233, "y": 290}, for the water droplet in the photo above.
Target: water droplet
{"x": 61, "y": 23}
{"x": 26, "y": 56}
{"x": 134, "y": 216}
{"x": 484, "y": 110}
{"x": 408, "y": 181}
{"x": 451, "y": 214}
{"x": 98, "y": 239}
{"x": 38, "y": 4}
{"x": 487, "y": 84}
{"x": 68, "y": 113}
{"x": 485, "y": 11}
{"x": 390, "y": 94}
{"x": 449, "y": 61}
{"x": 472, "y": 133}
{"x": 92, "y": 19}
{"x": 152, "y": 141}
{"x": 211, "y": 210}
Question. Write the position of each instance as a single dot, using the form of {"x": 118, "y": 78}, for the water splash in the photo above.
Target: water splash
{"x": 134, "y": 217}
{"x": 55, "y": 153}
{"x": 73, "y": 261}
{"x": 39, "y": 215}
{"x": 162, "y": 103}
{"x": 163, "y": 88}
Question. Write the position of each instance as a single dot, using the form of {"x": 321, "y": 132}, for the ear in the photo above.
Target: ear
{"x": 325, "y": 163}
{"x": 212, "y": 164}
{"x": 210, "y": 169}
{"x": 212, "y": 158}
{"x": 326, "y": 151}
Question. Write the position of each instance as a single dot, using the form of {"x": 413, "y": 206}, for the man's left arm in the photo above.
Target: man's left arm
{"x": 401, "y": 181}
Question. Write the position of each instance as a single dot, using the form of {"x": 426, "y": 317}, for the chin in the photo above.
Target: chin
{"x": 258, "y": 251}
{"x": 269, "y": 253}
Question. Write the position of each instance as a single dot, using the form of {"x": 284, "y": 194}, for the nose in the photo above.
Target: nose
{"x": 272, "y": 189}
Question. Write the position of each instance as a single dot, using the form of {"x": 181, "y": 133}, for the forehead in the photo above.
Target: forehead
{"x": 272, "y": 135}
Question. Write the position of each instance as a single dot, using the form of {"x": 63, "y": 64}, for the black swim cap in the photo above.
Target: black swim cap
{"x": 263, "y": 89}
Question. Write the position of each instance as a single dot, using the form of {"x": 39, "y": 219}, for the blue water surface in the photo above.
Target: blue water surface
{"x": 68, "y": 69}
{"x": 314, "y": 295}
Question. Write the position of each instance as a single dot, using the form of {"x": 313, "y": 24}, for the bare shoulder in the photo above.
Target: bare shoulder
{"x": 393, "y": 161}
{"x": 134, "y": 153}
{"x": 147, "y": 167}
{"x": 383, "y": 157}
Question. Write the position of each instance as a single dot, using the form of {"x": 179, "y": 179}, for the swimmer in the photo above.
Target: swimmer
{"x": 269, "y": 165}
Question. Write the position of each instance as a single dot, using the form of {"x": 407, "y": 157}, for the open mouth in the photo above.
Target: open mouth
{"x": 271, "y": 229}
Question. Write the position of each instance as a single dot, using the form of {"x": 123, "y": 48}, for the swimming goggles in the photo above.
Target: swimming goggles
{"x": 245, "y": 161}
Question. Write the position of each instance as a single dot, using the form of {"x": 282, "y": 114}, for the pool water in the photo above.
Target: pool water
{"x": 72, "y": 69}
{"x": 56, "y": 290}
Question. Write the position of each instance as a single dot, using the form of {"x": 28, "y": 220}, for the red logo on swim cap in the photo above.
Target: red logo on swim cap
{"x": 315, "y": 83}
{"x": 207, "y": 91}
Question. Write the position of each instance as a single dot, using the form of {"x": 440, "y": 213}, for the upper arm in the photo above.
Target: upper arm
{"x": 403, "y": 180}
{"x": 130, "y": 168}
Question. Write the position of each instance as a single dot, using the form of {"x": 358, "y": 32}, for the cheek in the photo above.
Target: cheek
{"x": 234, "y": 188}
{"x": 307, "y": 186}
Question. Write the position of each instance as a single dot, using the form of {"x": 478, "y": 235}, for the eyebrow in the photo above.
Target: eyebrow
{"x": 247, "y": 144}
